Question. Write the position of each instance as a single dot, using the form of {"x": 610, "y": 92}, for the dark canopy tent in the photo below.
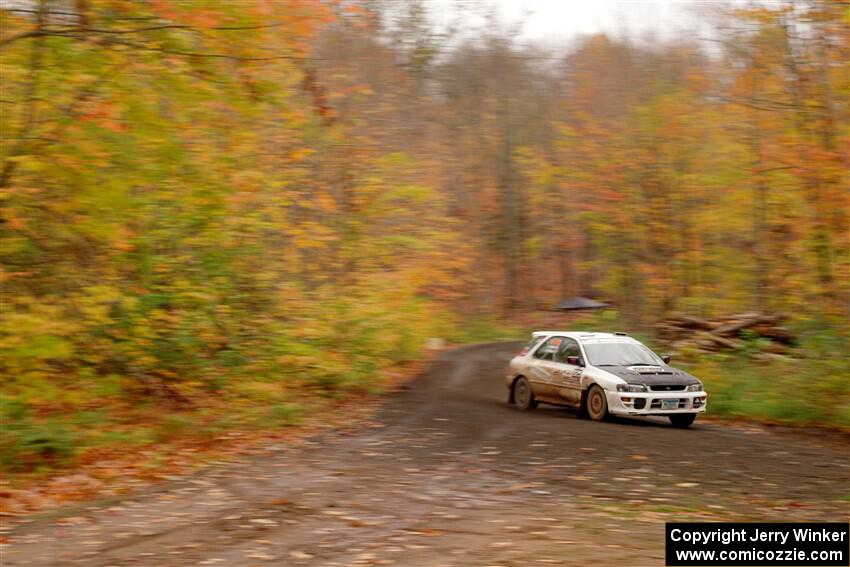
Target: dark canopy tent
{"x": 577, "y": 303}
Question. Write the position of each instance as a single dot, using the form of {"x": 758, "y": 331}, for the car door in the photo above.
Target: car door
{"x": 544, "y": 370}
{"x": 568, "y": 376}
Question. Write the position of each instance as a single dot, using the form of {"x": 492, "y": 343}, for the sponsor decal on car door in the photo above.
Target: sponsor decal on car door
{"x": 545, "y": 371}
{"x": 568, "y": 378}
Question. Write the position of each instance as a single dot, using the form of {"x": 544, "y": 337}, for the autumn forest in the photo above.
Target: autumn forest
{"x": 235, "y": 209}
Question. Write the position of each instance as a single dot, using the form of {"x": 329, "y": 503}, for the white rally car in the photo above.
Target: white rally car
{"x": 602, "y": 374}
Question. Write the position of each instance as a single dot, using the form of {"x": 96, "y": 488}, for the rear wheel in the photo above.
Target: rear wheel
{"x": 523, "y": 395}
{"x": 682, "y": 420}
{"x": 596, "y": 404}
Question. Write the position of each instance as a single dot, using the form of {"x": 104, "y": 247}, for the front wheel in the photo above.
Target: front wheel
{"x": 596, "y": 404}
{"x": 523, "y": 395}
{"x": 682, "y": 420}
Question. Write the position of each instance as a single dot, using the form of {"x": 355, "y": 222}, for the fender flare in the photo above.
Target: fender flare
{"x": 583, "y": 400}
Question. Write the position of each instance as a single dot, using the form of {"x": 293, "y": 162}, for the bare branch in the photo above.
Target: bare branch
{"x": 136, "y": 30}
{"x": 203, "y": 55}
{"x": 47, "y": 12}
{"x": 24, "y": 35}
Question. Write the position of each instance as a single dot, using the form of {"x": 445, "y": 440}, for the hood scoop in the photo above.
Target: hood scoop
{"x": 654, "y": 370}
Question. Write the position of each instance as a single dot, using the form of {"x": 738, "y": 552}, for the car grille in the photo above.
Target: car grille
{"x": 667, "y": 388}
{"x": 656, "y": 404}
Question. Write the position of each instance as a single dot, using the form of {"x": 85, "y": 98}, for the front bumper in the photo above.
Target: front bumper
{"x": 651, "y": 403}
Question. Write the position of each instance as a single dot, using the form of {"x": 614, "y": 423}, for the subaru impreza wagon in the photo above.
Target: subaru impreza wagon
{"x": 602, "y": 374}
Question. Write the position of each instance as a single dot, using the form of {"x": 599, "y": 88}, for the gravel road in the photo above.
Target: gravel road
{"x": 448, "y": 474}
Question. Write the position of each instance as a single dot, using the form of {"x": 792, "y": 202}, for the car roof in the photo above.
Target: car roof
{"x": 587, "y": 336}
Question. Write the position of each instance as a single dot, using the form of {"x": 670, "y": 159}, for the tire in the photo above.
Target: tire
{"x": 596, "y": 404}
{"x": 523, "y": 394}
{"x": 682, "y": 420}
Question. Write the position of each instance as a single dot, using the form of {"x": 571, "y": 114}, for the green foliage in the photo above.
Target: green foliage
{"x": 174, "y": 427}
{"x": 285, "y": 414}
{"x": 27, "y": 442}
{"x": 484, "y": 329}
{"x": 753, "y": 343}
{"x": 811, "y": 390}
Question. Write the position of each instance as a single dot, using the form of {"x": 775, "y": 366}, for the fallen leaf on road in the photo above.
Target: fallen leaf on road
{"x": 427, "y": 532}
{"x": 263, "y": 556}
{"x": 516, "y": 487}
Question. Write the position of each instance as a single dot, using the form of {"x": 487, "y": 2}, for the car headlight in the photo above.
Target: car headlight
{"x": 694, "y": 387}
{"x": 632, "y": 388}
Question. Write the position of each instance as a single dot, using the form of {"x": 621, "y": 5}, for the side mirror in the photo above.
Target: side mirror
{"x": 574, "y": 360}
{"x": 665, "y": 358}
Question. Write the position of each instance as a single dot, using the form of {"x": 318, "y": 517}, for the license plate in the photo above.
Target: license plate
{"x": 670, "y": 404}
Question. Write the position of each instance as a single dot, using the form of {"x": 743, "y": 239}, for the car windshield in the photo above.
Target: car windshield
{"x": 620, "y": 354}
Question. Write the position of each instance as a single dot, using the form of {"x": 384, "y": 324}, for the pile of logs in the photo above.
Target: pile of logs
{"x": 726, "y": 333}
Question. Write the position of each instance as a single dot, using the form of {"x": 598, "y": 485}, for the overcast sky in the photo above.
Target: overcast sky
{"x": 560, "y": 20}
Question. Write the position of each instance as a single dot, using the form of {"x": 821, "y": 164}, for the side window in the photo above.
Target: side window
{"x": 549, "y": 349}
{"x": 530, "y": 345}
{"x": 569, "y": 347}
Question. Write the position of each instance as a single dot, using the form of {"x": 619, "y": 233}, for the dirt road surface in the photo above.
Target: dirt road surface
{"x": 448, "y": 474}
